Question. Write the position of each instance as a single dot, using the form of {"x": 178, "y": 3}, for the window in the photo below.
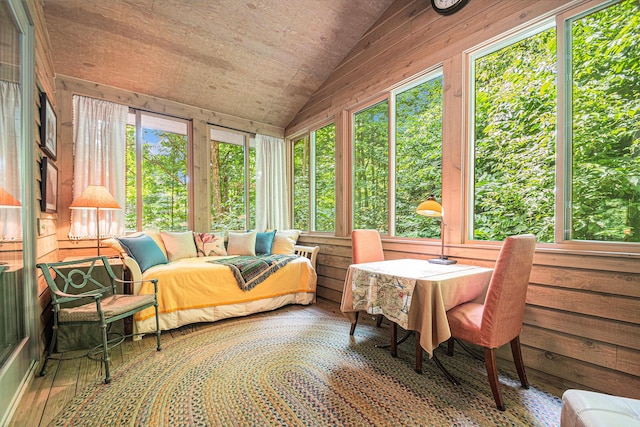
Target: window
{"x": 514, "y": 139}
{"x": 314, "y": 187}
{"x": 418, "y": 155}
{"x": 596, "y": 165}
{"x": 603, "y": 186}
{"x": 233, "y": 183}
{"x": 323, "y": 143}
{"x": 301, "y": 199}
{"x": 157, "y": 173}
{"x": 371, "y": 167}
{"x": 397, "y": 159}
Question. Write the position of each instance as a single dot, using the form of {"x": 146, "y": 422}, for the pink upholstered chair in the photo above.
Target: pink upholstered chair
{"x": 499, "y": 320}
{"x": 366, "y": 246}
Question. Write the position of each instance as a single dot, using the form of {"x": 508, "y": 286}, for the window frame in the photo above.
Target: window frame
{"x": 248, "y": 144}
{"x": 310, "y": 135}
{"x": 138, "y": 113}
{"x": 390, "y": 96}
{"x": 561, "y": 21}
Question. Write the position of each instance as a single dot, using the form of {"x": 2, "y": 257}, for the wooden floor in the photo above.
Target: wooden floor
{"x": 48, "y": 395}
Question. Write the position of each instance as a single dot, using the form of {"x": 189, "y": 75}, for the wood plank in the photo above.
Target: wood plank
{"x": 587, "y": 374}
{"x": 598, "y": 353}
{"x": 588, "y": 303}
{"x": 618, "y": 283}
{"x": 628, "y": 361}
{"x": 591, "y": 328}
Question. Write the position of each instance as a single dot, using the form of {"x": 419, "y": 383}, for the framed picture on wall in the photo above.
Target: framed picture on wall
{"x": 48, "y": 131}
{"x": 48, "y": 186}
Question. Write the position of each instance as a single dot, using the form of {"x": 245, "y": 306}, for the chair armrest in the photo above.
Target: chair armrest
{"x": 136, "y": 284}
{"x": 310, "y": 252}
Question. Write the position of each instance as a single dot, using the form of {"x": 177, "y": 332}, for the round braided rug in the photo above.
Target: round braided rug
{"x": 292, "y": 369}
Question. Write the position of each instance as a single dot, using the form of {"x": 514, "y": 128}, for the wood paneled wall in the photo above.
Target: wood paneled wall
{"x": 582, "y": 319}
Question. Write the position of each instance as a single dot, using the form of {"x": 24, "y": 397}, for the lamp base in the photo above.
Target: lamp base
{"x": 443, "y": 261}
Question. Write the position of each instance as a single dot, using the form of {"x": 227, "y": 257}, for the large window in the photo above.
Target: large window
{"x": 314, "y": 187}
{"x": 156, "y": 177}
{"x": 397, "y": 161}
{"x": 514, "y": 139}
{"x": 233, "y": 183}
{"x": 517, "y": 168}
{"x": 371, "y": 167}
{"x": 604, "y": 115}
{"x": 418, "y": 159}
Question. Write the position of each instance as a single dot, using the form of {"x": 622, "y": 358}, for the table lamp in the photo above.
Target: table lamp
{"x": 7, "y": 200}
{"x": 96, "y": 197}
{"x": 433, "y": 209}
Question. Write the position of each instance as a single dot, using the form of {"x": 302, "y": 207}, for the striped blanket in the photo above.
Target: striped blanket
{"x": 252, "y": 270}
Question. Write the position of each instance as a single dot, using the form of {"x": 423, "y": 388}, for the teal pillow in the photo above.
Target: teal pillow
{"x": 264, "y": 242}
{"x": 144, "y": 250}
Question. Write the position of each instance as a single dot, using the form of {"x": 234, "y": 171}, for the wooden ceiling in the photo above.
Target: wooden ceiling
{"x": 256, "y": 59}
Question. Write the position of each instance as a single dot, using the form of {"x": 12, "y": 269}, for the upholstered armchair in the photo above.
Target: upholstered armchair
{"x": 366, "y": 246}
{"x": 498, "y": 320}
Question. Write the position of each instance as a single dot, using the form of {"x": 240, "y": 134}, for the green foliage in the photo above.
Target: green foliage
{"x": 371, "y": 167}
{"x": 231, "y": 165}
{"x": 301, "y": 177}
{"x": 164, "y": 195}
{"x": 418, "y": 157}
{"x": 605, "y": 203}
{"x": 325, "y": 178}
{"x": 515, "y": 121}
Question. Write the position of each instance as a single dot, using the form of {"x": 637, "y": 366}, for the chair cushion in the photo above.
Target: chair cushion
{"x": 465, "y": 321}
{"x": 582, "y": 408}
{"x": 111, "y": 306}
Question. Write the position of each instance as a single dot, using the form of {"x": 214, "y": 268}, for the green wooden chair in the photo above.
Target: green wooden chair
{"x": 74, "y": 282}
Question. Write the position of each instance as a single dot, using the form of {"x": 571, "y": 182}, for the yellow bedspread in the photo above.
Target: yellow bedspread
{"x": 195, "y": 283}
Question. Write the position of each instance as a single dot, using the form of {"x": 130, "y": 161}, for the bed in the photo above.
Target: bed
{"x": 192, "y": 290}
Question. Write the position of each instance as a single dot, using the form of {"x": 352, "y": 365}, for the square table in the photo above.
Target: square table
{"x": 414, "y": 294}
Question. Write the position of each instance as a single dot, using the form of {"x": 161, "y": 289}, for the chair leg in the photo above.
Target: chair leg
{"x": 394, "y": 339}
{"x": 353, "y": 325}
{"x": 105, "y": 352}
{"x": 159, "y": 347}
{"x": 54, "y": 338}
{"x": 492, "y": 373}
{"x": 450, "y": 345}
{"x": 516, "y": 351}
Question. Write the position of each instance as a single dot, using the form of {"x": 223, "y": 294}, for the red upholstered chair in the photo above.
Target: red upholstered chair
{"x": 499, "y": 320}
{"x": 366, "y": 246}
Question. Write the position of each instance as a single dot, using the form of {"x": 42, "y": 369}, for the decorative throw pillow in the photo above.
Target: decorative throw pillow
{"x": 285, "y": 241}
{"x": 209, "y": 244}
{"x": 264, "y": 242}
{"x": 242, "y": 243}
{"x": 144, "y": 250}
{"x": 179, "y": 244}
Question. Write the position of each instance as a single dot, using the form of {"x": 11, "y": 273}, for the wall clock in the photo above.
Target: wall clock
{"x": 447, "y": 7}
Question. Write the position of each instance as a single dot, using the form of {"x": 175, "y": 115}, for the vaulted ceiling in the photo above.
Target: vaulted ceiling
{"x": 256, "y": 59}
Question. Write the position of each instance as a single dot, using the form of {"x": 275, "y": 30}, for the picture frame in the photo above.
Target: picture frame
{"x": 48, "y": 186}
{"x": 48, "y": 127}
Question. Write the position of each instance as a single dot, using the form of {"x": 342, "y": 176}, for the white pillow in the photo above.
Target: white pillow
{"x": 242, "y": 243}
{"x": 284, "y": 242}
{"x": 179, "y": 244}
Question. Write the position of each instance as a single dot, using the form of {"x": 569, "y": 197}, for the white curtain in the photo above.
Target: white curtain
{"x": 272, "y": 200}
{"x": 10, "y": 222}
{"x": 99, "y": 144}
